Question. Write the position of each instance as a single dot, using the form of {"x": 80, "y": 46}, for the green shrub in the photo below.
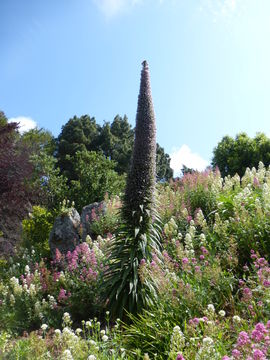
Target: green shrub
{"x": 36, "y": 230}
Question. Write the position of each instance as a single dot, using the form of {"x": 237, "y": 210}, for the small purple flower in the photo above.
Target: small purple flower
{"x": 258, "y": 355}
{"x": 243, "y": 339}
{"x": 185, "y": 260}
{"x": 236, "y": 354}
{"x": 142, "y": 262}
{"x": 180, "y": 357}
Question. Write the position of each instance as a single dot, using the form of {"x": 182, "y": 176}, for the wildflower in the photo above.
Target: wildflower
{"x": 105, "y": 338}
{"x": 180, "y": 357}
{"x": 258, "y": 355}
{"x": 236, "y": 354}
{"x": 243, "y": 339}
{"x": 67, "y": 355}
{"x": 88, "y": 324}
{"x": 62, "y": 295}
{"x": 12, "y": 299}
{"x": 177, "y": 340}
{"x": 208, "y": 341}
{"x": 185, "y": 260}
{"x": 57, "y": 332}
{"x": 44, "y": 327}
{"x": 91, "y": 357}
{"x": 27, "y": 269}
{"x": 236, "y": 319}
{"x": 78, "y": 331}
{"x": 66, "y": 317}
{"x": 211, "y": 308}
{"x": 222, "y": 313}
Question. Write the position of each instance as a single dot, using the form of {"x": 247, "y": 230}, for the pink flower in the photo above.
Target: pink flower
{"x": 243, "y": 339}
{"x": 256, "y": 182}
{"x": 62, "y": 295}
{"x": 204, "y": 250}
{"x": 185, "y": 260}
{"x": 258, "y": 355}
{"x": 142, "y": 262}
{"x": 58, "y": 256}
{"x": 236, "y": 354}
{"x": 180, "y": 357}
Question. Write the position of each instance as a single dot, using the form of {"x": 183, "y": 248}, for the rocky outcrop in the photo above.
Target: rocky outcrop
{"x": 65, "y": 234}
{"x": 90, "y": 213}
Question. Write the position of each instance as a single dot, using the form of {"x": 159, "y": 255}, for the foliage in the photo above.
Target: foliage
{"x": 164, "y": 171}
{"x": 186, "y": 170}
{"x": 78, "y": 134}
{"x": 38, "y": 140}
{"x": 209, "y": 290}
{"x": 3, "y": 118}
{"x": 114, "y": 140}
{"x": 95, "y": 178}
{"x": 46, "y": 177}
{"x": 15, "y": 192}
{"x": 233, "y": 156}
{"x": 106, "y": 223}
{"x": 33, "y": 291}
{"x": 36, "y": 230}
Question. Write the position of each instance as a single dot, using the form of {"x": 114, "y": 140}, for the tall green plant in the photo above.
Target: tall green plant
{"x": 138, "y": 236}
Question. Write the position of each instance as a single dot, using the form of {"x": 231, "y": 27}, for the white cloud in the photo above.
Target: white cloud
{"x": 222, "y": 8}
{"x": 112, "y": 8}
{"x": 25, "y": 123}
{"x": 184, "y": 156}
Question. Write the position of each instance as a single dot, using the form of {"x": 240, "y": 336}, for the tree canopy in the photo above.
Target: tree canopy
{"x": 114, "y": 140}
{"x": 233, "y": 156}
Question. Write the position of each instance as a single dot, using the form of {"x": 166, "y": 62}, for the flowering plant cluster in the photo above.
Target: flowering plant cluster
{"x": 42, "y": 292}
{"x": 209, "y": 285}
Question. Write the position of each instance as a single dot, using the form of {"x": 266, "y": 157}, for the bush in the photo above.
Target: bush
{"x": 36, "y": 230}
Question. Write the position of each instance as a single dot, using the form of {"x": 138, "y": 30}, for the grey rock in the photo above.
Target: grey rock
{"x": 89, "y": 214}
{"x": 65, "y": 234}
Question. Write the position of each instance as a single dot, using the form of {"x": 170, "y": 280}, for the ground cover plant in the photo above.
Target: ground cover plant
{"x": 177, "y": 270}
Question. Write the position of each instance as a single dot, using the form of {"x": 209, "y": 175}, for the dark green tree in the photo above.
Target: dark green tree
{"x": 164, "y": 171}
{"x": 233, "y": 156}
{"x": 138, "y": 238}
{"x": 187, "y": 170}
{"x": 114, "y": 140}
{"x": 78, "y": 134}
{"x": 123, "y": 136}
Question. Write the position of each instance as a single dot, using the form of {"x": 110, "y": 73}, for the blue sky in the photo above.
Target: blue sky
{"x": 209, "y": 62}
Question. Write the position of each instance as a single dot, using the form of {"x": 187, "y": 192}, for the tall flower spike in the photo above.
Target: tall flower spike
{"x": 137, "y": 236}
{"x": 142, "y": 175}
